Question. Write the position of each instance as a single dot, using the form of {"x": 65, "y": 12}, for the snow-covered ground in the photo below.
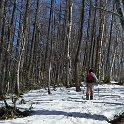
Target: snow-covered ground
{"x": 66, "y": 106}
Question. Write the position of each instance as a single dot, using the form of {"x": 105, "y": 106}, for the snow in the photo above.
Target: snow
{"x": 66, "y": 106}
{"x": 114, "y": 82}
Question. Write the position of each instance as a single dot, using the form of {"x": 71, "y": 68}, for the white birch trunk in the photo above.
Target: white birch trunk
{"x": 19, "y": 63}
{"x": 68, "y": 44}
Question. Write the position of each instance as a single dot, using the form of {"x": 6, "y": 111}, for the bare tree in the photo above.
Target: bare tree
{"x": 2, "y": 31}
{"x": 76, "y": 62}
{"x": 120, "y": 10}
{"x": 31, "y": 57}
{"x": 23, "y": 48}
{"x": 69, "y": 29}
{"x": 100, "y": 41}
{"x": 2, "y": 5}
{"x": 41, "y": 47}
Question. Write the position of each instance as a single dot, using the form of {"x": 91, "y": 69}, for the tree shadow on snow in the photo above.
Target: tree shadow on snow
{"x": 114, "y": 104}
{"x": 71, "y": 114}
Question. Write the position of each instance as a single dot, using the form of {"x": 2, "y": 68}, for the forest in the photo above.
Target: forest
{"x": 46, "y": 43}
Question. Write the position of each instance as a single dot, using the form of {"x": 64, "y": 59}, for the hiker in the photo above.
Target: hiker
{"x": 91, "y": 79}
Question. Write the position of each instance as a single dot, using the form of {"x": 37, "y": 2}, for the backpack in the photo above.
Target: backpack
{"x": 90, "y": 78}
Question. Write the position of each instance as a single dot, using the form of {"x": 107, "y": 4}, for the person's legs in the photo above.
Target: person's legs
{"x": 88, "y": 92}
{"x": 91, "y": 91}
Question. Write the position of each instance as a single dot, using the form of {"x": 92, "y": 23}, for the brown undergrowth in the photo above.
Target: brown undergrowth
{"x": 118, "y": 119}
{"x": 12, "y": 112}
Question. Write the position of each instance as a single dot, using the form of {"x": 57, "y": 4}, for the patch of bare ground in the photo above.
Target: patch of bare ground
{"x": 118, "y": 119}
{"x": 10, "y": 112}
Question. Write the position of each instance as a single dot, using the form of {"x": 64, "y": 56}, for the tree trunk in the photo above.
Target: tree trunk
{"x": 22, "y": 51}
{"x": 50, "y": 31}
{"x": 69, "y": 28}
{"x": 107, "y": 70}
{"x": 2, "y": 6}
{"x": 33, "y": 42}
{"x": 120, "y": 10}
{"x": 2, "y": 31}
{"x": 76, "y": 62}
{"x": 100, "y": 42}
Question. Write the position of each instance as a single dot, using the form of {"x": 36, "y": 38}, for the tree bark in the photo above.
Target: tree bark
{"x": 50, "y": 31}
{"x": 2, "y": 31}
{"x": 69, "y": 29}
{"x": 76, "y": 62}
{"x": 120, "y": 10}
{"x": 107, "y": 71}
{"x": 100, "y": 42}
{"x": 23, "y": 48}
{"x": 33, "y": 42}
{"x": 2, "y": 6}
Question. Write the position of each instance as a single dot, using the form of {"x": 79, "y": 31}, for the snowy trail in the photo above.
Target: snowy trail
{"x": 66, "y": 106}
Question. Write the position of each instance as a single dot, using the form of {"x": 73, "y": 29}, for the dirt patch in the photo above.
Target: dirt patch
{"x": 10, "y": 112}
{"x": 118, "y": 119}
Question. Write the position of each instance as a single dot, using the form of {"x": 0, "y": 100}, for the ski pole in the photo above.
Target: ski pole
{"x": 98, "y": 91}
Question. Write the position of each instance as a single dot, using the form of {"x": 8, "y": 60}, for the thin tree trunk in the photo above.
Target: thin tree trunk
{"x": 93, "y": 38}
{"x": 22, "y": 51}
{"x": 51, "y": 43}
{"x": 2, "y": 19}
{"x": 33, "y": 42}
{"x": 108, "y": 50}
{"x": 100, "y": 42}
{"x": 2, "y": 6}
{"x": 120, "y": 10}
{"x": 69, "y": 28}
{"x": 76, "y": 62}
{"x": 25, "y": 30}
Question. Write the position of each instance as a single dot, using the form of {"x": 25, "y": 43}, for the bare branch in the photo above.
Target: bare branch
{"x": 96, "y": 7}
{"x": 10, "y": 55}
{"x": 114, "y": 13}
